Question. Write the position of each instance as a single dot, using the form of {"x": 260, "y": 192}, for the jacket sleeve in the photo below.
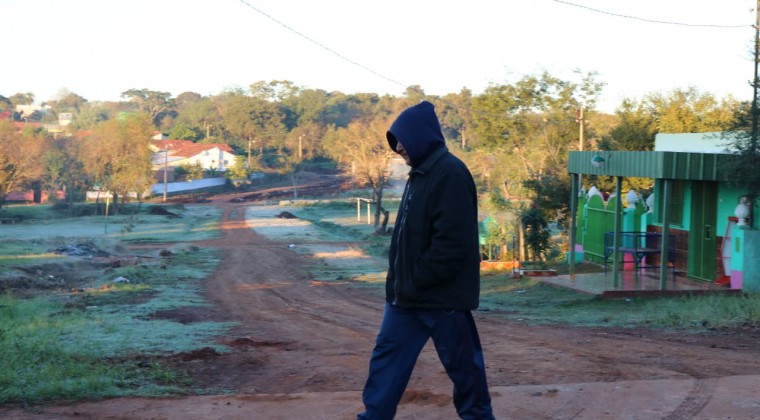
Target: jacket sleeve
{"x": 453, "y": 229}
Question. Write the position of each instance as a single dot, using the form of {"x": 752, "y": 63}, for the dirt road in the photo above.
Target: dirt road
{"x": 298, "y": 338}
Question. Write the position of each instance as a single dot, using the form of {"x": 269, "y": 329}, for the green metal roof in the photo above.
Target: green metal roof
{"x": 658, "y": 165}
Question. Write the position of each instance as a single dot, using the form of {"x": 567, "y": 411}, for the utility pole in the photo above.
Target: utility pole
{"x": 581, "y": 134}
{"x": 582, "y": 123}
{"x": 753, "y": 133}
{"x": 250, "y": 141}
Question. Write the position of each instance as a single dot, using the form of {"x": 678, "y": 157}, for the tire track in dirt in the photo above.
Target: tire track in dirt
{"x": 264, "y": 286}
{"x": 695, "y": 402}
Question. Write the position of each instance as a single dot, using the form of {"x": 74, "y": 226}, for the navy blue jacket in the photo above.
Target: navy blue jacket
{"x": 434, "y": 259}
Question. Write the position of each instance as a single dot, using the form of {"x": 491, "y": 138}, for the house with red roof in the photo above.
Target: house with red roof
{"x": 170, "y": 154}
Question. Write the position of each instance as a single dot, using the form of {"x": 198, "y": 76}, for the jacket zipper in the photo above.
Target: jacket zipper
{"x": 406, "y": 198}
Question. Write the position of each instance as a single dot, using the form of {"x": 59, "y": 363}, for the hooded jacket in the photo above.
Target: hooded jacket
{"x": 434, "y": 259}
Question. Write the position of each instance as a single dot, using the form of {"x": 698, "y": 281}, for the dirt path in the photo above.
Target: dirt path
{"x": 296, "y": 335}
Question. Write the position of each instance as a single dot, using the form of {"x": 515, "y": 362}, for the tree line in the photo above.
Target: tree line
{"x": 514, "y": 137}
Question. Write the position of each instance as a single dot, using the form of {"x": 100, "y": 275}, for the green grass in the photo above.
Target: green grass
{"x": 195, "y": 223}
{"x": 95, "y": 344}
{"x": 25, "y": 212}
{"x": 39, "y": 365}
{"x": 17, "y": 252}
{"x": 105, "y": 340}
{"x": 535, "y": 302}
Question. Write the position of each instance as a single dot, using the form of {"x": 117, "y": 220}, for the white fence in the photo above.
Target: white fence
{"x": 171, "y": 187}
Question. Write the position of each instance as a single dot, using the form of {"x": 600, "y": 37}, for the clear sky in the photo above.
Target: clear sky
{"x": 99, "y": 48}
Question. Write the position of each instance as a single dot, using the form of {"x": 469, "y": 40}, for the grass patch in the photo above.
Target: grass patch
{"x": 339, "y": 219}
{"x": 38, "y": 366}
{"x": 535, "y": 302}
{"x": 194, "y": 223}
{"x": 106, "y": 340}
{"x": 16, "y": 252}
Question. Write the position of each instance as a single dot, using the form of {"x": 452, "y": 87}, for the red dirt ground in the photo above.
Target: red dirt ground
{"x": 296, "y": 335}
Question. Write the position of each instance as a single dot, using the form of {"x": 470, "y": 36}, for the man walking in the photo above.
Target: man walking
{"x": 433, "y": 280}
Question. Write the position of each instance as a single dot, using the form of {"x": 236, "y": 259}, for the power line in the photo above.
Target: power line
{"x": 651, "y": 20}
{"x": 324, "y": 47}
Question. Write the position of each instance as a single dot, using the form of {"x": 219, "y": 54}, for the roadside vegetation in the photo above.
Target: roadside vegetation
{"x": 534, "y": 302}
{"x": 73, "y": 329}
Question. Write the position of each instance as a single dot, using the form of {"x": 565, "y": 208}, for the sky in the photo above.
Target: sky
{"x": 99, "y": 49}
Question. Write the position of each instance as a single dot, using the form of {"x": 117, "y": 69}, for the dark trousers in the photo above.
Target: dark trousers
{"x": 402, "y": 336}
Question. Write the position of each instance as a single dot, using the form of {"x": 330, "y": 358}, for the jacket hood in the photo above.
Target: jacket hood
{"x": 418, "y": 129}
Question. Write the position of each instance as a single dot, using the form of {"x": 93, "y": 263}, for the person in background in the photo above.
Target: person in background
{"x": 433, "y": 280}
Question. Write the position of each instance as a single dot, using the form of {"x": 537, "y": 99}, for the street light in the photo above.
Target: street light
{"x": 597, "y": 161}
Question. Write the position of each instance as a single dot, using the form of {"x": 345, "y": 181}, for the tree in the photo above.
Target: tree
{"x": 20, "y": 154}
{"x": 537, "y": 233}
{"x": 308, "y": 106}
{"x": 456, "y": 117}
{"x": 363, "y": 152}
{"x": 5, "y": 104}
{"x": 22, "y": 98}
{"x": 680, "y": 111}
{"x": 117, "y": 156}
{"x": 528, "y": 127}
{"x": 238, "y": 173}
{"x": 635, "y": 131}
{"x": 745, "y": 152}
{"x": 691, "y": 111}
{"x": 253, "y": 122}
{"x": 156, "y": 104}
{"x": 67, "y": 101}
{"x": 186, "y": 99}
{"x": 192, "y": 171}
{"x": 90, "y": 115}
{"x": 183, "y": 131}
{"x": 202, "y": 116}
{"x": 65, "y": 170}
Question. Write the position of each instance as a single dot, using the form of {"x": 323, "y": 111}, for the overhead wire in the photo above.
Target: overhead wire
{"x": 662, "y": 22}
{"x": 323, "y": 46}
{"x": 396, "y": 82}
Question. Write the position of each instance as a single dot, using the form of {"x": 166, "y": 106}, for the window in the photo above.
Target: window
{"x": 676, "y": 201}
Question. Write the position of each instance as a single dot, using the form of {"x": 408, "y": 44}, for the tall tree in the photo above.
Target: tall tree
{"x": 64, "y": 170}
{"x": 117, "y": 156}
{"x": 533, "y": 122}
{"x": 635, "y": 130}
{"x": 455, "y": 111}
{"x": 19, "y": 158}
{"x": 22, "y": 98}
{"x": 67, "y": 101}
{"x": 156, "y": 104}
{"x": 203, "y": 118}
{"x": 90, "y": 115}
{"x": 253, "y": 122}
{"x": 186, "y": 99}
{"x": 364, "y": 154}
{"x": 691, "y": 111}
